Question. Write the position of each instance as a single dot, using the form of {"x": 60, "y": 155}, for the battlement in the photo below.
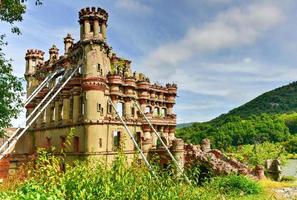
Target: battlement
{"x": 35, "y": 54}
{"x": 103, "y": 80}
{"x": 93, "y": 13}
{"x": 93, "y": 22}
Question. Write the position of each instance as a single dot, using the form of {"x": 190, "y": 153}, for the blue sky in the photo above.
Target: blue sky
{"x": 221, "y": 53}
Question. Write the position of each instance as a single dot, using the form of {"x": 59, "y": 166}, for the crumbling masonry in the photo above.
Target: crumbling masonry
{"x": 83, "y": 104}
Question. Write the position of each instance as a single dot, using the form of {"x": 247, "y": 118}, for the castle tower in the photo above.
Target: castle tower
{"x": 68, "y": 42}
{"x": 84, "y": 104}
{"x": 53, "y": 53}
{"x": 33, "y": 58}
{"x": 93, "y": 23}
{"x": 95, "y": 68}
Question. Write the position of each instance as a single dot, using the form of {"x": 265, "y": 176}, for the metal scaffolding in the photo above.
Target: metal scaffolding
{"x": 133, "y": 139}
{"x": 7, "y": 147}
{"x": 162, "y": 142}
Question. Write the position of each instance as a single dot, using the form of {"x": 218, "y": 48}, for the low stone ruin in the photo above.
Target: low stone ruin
{"x": 215, "y": 160}
{"x": 273, "y": 168}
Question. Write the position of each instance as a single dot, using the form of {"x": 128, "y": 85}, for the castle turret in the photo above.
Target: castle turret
{"x": 96, "y": 66}
{"x": 53, "y": 53}
{"x": 93, "y": 23}
{"x": 68, "y": 42}
{"x": 33, "y": 58}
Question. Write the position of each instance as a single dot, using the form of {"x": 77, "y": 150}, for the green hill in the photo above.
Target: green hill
{"x": 271, "y": 117}
{"x": 277, "y": 101}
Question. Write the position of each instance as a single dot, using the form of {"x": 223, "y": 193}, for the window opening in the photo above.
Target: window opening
{"x": 76, "y": 144}
{"x": 116, "y": 138}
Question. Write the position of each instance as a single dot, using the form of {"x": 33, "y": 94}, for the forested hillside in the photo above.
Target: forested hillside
{"x": 278, "y": 101}
{"x": 270, "y": 117}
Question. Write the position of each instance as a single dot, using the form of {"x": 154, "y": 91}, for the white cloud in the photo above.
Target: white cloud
{"x": 237, "y": 81}
{"x": 233, "y": 28}
{"x": 133, "y": 5}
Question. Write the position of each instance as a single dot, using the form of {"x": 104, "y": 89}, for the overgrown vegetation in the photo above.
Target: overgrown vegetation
{"x": 91, "y": 179}
{"x": 259, "y": 153}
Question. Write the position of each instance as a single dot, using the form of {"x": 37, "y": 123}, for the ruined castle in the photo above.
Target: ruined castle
{"x": 83, "y": 102}
{"x": 86, "y": 105}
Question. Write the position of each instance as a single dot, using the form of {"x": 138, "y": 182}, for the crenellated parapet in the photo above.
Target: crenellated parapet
{"x": 33, "y": 58}
{"x": 93, "y": 13}
{"x": 34, "y": 54}
{"x": 172, "y": 88}
{"x": 93, "y": 23}
{"x": 84, "y": 102}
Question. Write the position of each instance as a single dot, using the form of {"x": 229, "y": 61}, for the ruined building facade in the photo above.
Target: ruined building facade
{"x": 83, "y": 107}
{"x": 83, "y": 102}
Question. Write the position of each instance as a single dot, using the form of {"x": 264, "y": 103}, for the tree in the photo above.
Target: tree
{"x": 10, "y": 93}
{"x": 11, "y": 11}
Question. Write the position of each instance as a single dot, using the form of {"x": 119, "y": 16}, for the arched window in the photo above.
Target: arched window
{"x": 121, "y": 109}
{"x": 44, "y": 115}
{"x": 163, "y": 112}
{"x": 99, "y": 69}
{"x": 109, "y": 108}
{"x": 53, "y": 113}
{"x": 76, "y": 144}
{"x": 82, "y": 106}
{"x": 33, "y": 63}
{"x": 48, "y": 142}
{"x": 156, "y": 111}
{"x": 116, "y": 138}
{"x": 148, "y": 109}
{"x": 91, "y": 26}
{"x": 133, "y": 111}
{"x": 63, "y": 142}
{"x": 61, "y": 112}
{"x": 71, "y": 109}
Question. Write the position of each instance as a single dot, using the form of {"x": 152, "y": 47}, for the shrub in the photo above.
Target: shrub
{"x": 198, "y": 173}
{"x": 234, "y": 185}
{"x": 259, "y": 153}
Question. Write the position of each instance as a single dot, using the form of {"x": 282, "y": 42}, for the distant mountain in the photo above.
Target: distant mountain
{"x": 271, "y": 116}
{"x": 278, "y": 101}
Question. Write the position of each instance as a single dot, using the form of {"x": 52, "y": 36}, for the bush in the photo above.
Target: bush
{"x": 234, "y": 185}
{"x": 258, "y": 154}
{"x": 291, "y": 144}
